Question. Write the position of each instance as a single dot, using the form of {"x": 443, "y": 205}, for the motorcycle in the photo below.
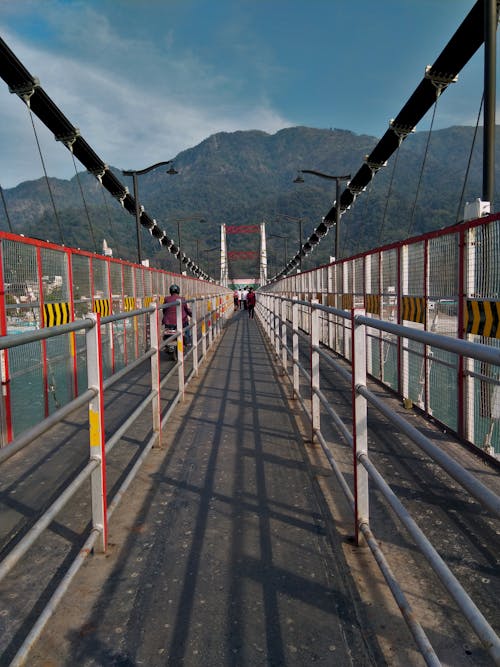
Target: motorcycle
{"x": 171, "y": 347}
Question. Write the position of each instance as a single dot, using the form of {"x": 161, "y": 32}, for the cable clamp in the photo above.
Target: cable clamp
{"x": 122, "y": 196}
{"x": 356, "y": 189}
{"x": 439, "y": 79}
{"x": 99, "y": 172}
{"x": 25, "y": 90}
{"x": 68, "y": 139}
{"x": 374, "y": 166}
{"x": 401, "y": 131}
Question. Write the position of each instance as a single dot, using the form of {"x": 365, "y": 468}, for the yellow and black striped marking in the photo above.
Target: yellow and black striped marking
{"x": 55, "y": 314}
{"x": 482, "y": 318}
{"x": 129, "y": 303}
{"x": 346, "y": 301}
{"x": 414, "y": 309}
{"x": 102, "y": 306}
{"x": 148, "y": 300}
{"x": 372, "y": 303}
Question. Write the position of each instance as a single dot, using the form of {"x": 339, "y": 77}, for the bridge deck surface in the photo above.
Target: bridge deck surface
{"x": 218, "y": 552}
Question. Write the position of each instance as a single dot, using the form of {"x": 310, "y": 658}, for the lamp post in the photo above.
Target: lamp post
{"x": 190, "y": 218}
{"x": 207, "y": 250}
{"x": 337, "y": 179}
{"x": 134, "y": 174}
{"x": 300, "y": 221}
{"x": 285, "y": 239}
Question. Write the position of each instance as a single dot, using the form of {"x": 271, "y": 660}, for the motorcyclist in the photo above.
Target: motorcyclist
{"x": 169, "y": 319}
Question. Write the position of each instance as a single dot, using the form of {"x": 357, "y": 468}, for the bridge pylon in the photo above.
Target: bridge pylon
{"x": 263, "y": 255}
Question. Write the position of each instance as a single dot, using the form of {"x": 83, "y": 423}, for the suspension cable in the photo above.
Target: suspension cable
{"x": 84, "y": 203}
{"x": 466, "y": 177}
{"x": 357, "y": 244}
{"x": 46, "y": 176}
{"x": 108, "y": 215}
{"x": 388, "y": 195}
{"x": 6, "y": 210}
{"x": 413, "y": 209}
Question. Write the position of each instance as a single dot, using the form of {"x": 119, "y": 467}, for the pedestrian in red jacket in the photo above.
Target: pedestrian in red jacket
{"x": 250, "y": 302}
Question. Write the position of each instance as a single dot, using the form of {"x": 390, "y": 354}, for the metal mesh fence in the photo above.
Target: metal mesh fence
{"x": 46, "y": 285}
{"x": 446, "y": 282}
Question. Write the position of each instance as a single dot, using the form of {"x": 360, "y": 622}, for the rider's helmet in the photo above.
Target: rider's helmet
{"x": 175, "y": 289}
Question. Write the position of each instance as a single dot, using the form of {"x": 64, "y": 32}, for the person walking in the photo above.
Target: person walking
{"x": 236, "y": 299}
{"x": 244, "y": 295}
{"x": 240, "y": 302}
{"x": 251, "y": 302}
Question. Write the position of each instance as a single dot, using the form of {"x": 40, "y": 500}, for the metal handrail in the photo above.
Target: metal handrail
{"x": 96, "y": 460}
{"x": 276, "y": 325}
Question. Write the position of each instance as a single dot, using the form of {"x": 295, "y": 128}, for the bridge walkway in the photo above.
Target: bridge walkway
{"x": 219, "y": 553}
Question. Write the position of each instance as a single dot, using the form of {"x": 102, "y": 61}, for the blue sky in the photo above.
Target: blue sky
{"x": 146, "y": 79}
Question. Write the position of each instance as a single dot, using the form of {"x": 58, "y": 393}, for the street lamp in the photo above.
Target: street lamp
{"x": 207, "y": 250}
{"x": 337, "y": 179}
{"x": 285, "y": 239}
{"x": 134, "y": 174}
{"x": 190, "y": 218}
{"x": 300, "y": 221}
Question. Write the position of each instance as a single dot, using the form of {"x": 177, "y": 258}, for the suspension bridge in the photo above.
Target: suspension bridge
{"x": 315, "y": 484}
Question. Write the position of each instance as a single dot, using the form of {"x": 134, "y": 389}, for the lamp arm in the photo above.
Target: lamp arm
{"x": 321, "y": 175}
{"x": 145, "y": 171}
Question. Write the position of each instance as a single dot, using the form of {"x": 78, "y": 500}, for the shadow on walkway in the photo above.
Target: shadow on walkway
{"x": 219, "y": 554}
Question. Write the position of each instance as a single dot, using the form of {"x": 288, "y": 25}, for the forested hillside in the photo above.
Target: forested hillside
{"x": 244, "y": 178}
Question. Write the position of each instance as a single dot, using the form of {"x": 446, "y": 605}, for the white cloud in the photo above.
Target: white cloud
{"x": 129, "y": 112}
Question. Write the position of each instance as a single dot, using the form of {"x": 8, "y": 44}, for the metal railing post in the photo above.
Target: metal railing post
{"x": 269, "y": 316}
{"x": 271, "y": 321}
{"x": 96, "y": 430}
{"x": 265, "y": 313}
{"x": 284, "y": 357}
{"x": 203, "y": 328}
{"x": 180, "y": 347}
{"x": 218, "y": 316}
{"x": 154, "y": 326}
{"x": 295, "y": 348}
{"x": 315, "y": 405}
{"x": 276, "y": 326}
{"x": 210, "y": 322}
{"x": 194, "y": 336}
{"x": 359, "y": 422}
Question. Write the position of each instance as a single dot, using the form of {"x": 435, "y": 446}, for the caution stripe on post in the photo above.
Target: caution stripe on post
{"x": 346, "y": 301}
{"x": 102, "y": 306}
{"x": 372, "y": 303}
{"x": 55, "y": 314}
{"x": 482, "y": 318}
{"x": 129, "y": 303}
{"x": 413, "y": 308}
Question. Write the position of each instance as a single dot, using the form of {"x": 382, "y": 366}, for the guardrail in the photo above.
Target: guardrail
{"x": 205, "y": 331}
{"x": 443, "y": 282}
{"x": 286, "y": 322}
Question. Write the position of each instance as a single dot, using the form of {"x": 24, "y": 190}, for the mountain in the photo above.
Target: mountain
{"x": 244, "y": 178}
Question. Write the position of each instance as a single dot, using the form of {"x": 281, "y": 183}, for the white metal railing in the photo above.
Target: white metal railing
{"x": 285, "y": 318}
{"x": 206, "y": 325}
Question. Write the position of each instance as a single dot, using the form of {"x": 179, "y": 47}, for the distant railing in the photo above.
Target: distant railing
{"x": 287, "y": 322}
